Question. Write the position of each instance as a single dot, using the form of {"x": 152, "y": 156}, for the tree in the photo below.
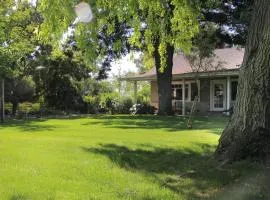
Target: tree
{"x": 231, "y": 18}
{"x": 201, "y": 59}
{"x": 248, "y": 132}
{"x": 59, "y": 79}
{"x": 156, "y": 27}
{"x": 18, "y": 90}
{"x": 18, "y": 21}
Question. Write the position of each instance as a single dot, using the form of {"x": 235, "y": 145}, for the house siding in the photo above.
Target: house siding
{"x": 203, "y": 106}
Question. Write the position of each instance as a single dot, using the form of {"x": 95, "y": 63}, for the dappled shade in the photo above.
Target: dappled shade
{"x": 187, "y": 172}
{"x": 171, "y": 124}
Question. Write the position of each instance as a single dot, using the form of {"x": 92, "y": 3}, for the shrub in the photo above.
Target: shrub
{"x": 8, "y": 108}
{"x": 25, "y": 107}
{"x": 123, "y": 107}
{"x": 92, "y": 103}
{"x": 108, "y": 102}
{"x": 142, "y": 109}
{"x": 50, "y": 111}
{"x": 28, "y": 108}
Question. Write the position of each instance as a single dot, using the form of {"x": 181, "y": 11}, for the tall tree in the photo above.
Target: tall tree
{"x": 231, "y": 18}
{"x": 248, "y": 132}
{"x": 155, "y": 27}
{"x": 17, "y": 27}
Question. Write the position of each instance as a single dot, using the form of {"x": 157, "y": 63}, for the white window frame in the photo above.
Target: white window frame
{"x": 189, "y": 89}
{"x": 212, "y": 83}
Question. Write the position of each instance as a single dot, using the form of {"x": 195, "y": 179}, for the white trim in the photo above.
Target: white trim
{"x": 188, "y": 99}
{"x": 199, "y": 90}
{"x": 229, "y": 93}
{"x": 212, "y": 82}
{"x": 221, "y": 73}
{"x": 189, "y": 91}
{"x": 183, "y": 97}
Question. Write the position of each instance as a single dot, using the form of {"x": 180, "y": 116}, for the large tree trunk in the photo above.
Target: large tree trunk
{"x": 164, "y": 81}
{"x": 248, "y": 132}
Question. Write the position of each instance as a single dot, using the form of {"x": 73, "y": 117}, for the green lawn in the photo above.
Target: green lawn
{"x": 121, "y": 157}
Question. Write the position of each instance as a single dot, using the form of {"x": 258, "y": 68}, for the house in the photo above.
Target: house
{"x": 217, "y": 84}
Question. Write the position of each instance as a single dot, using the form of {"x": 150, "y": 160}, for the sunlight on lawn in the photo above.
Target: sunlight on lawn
{"x": 116, "y": 157}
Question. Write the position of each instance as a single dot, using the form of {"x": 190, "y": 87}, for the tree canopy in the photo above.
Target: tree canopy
{"x": 172, "y": 21}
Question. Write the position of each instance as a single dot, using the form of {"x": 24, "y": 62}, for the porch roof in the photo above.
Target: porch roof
{"x": 229, "y": 59}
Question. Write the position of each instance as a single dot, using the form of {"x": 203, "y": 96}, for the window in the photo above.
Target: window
{"x": 187, "y": 92}
{"x": 234, "y": 85}
{"x": 194, "y": 91}
{"x": 178, "y": 94}
{"x": 177, "y": 91}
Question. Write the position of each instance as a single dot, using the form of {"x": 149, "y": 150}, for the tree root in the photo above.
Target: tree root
{"x": 254, "y": 145}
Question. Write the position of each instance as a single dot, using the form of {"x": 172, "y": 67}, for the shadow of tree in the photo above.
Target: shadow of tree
{"x": 184, "y": 171}
{"x": 18, "y": 197}
{"x": 172, "y": 124}
{"x": 192, "y": 174}
{"x": 25, "y": 125}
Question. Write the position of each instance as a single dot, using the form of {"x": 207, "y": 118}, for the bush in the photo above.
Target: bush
{"x": 142, "y": 109}
{"x": 29, "y": 108}
{"x": 108, "y": 102}
{"x": 49, "y": 111}
{"x": 8, "y": 108}
{"x": 92, "y": 103}
{"x": 123, "y": 107}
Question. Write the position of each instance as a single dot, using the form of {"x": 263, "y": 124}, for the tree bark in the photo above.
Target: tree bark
{"x": 14, "y": 108}
{"x": 248, "y": 132}
{"x": 164, "y": 81}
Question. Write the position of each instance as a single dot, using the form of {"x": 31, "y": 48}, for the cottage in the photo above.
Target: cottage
{"x": 217, "y": 85}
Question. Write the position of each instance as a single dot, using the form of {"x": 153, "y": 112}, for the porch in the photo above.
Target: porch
{"x": 214, "y": 95}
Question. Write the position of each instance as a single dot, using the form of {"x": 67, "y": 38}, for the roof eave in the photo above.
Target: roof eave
{"x": 230, "y": 72}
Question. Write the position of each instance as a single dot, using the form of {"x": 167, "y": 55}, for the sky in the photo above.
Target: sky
{"x": 123, "y": 65}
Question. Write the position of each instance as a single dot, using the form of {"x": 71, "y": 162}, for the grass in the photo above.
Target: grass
{"x": 121, "y": 157}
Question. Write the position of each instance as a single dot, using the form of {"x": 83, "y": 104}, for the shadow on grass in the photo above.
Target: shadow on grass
{"x": 184, "y": 171}
{"x": 18, "y": 197}
{"x": 25, "y": 125}
{"x": 172, "y": 124}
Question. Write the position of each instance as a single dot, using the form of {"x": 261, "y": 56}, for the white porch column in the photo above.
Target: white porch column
{"x": 183, "y": 98}
{"x": 229, "y": 94}
{"x": 135, "y": 92}
{"x": 199, "y": 90}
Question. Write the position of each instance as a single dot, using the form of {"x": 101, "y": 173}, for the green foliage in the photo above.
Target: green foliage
{"x": 108, "y": 100}
{"x": 124, "y": 105}
{"x": 27, "y": 107}
{"x": 172, "y": 22}
{"x": 92, "y": 103}
{"x": 8, "y": 108}
{"x": 60, "y": 80}
{"x": 205, "y": 42}
{"x": 19, "y": 89}
{"x": 18, "y": 25}
{"x": 144, "y": 92}
{"x": 93, "y": 100}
